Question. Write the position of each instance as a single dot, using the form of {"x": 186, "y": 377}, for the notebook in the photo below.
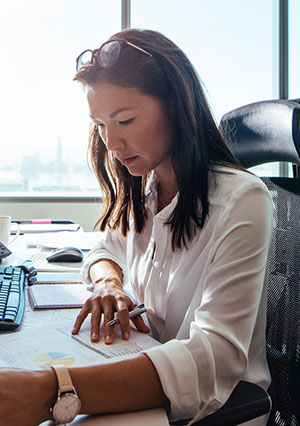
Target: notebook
{"x": 57, "y": 296}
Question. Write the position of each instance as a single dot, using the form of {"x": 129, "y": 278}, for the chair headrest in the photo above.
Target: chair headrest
{"x": 264, "y": 132}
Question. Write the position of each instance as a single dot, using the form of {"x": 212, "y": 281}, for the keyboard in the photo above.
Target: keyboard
{"x": 12, "y": 296}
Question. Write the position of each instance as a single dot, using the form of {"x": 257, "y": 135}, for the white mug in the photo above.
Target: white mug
{"x": 5, "y": 228}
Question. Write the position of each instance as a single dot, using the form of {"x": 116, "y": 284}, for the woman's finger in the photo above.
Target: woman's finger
{"x": 80, "y": 318}
{"x": 123, "y": 316}
{"x": 139, "y": 322}
{"x": 140, "y": 325}
{"x": 95, "y": 321}
{"x": 108, "y": 311}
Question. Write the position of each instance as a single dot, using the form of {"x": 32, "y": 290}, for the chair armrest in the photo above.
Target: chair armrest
{"x": 246, "y": 402}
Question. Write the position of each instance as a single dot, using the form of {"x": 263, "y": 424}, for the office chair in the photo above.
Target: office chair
{"x": 263, "y": 132}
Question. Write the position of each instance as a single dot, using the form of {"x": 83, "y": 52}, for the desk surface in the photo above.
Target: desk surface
{"x": 46, "y": 318}
{"x": 155, "y": 417}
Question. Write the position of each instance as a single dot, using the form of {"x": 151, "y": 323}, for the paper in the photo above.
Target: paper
{"x": 57, "y": 278}
{"x": 120, "y": 349}
{"x": 44, "y": 318}
{"x": 82, "y": 240}
{"x": 42, "y": 347}
{"x": 49, "y": 296}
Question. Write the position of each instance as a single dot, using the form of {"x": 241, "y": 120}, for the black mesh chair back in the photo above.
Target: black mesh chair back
{"x": 283, "y": 309}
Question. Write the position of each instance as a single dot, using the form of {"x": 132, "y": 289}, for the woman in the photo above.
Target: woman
{"x": 186, "y": 226}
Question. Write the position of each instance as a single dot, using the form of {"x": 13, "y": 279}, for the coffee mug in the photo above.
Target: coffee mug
{"x": 5, "y": 229}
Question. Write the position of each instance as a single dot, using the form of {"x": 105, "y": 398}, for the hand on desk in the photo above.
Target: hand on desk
{"x": 107, "y": 299}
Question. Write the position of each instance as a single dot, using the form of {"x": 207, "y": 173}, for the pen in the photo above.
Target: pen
{"x": 140, "y": 309}
{"x": 42, "y": 221}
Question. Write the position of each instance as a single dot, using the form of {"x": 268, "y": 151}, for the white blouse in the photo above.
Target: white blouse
{"x": 208, "y": 302}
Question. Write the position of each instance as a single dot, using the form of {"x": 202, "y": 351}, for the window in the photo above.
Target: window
{"x": 44, "y": 118}
{"x": 230, "y": 46}
{"x": 233, "y": 48}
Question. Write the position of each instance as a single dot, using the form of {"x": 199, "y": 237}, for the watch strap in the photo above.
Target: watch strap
{"x": 64, "y": 380}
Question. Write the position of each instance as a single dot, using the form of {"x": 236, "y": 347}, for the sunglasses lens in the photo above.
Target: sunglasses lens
{"x": 109, "y": 53}
{"x": 84, "y": 59}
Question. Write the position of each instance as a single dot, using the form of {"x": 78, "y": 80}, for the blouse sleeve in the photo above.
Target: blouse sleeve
{"x": 111, "y": 246}
{"x": 199, "y": 373}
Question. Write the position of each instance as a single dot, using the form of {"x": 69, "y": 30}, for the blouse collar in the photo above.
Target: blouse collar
{"x": 151, "y": 198}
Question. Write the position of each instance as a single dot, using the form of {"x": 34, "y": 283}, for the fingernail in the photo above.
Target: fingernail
{"x": 126, "y": 335}
{"x": 94, "y": 336}
{"x": 107, "y": 339}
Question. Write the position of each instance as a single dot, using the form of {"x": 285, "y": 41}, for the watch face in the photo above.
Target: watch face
{"x": 66, "y": 408}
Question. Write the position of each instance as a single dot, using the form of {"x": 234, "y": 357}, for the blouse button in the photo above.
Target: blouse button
{"x": 156, "y": 264}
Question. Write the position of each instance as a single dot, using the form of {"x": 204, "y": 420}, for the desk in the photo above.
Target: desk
{"x": 155, "y": 417}
{"x": 44, "y": 318}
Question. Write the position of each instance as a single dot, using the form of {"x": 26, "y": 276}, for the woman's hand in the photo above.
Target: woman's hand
{"x": 108, "y": 297}
{"x": 26, "y": 396}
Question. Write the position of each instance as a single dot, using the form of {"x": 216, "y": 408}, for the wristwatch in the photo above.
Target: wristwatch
{"x": 68, "y": 404}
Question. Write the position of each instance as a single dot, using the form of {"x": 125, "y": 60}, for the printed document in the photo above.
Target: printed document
{"x": 42, "y": 347}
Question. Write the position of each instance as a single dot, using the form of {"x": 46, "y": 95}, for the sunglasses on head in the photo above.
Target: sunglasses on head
{"x": 106, "y": 55}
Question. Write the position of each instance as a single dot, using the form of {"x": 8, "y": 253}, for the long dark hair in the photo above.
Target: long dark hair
{"x": 197, "y": 144}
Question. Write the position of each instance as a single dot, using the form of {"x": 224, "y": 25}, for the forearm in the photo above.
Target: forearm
{"x": 26, "y": 396}
{"x": 129, "y": 385}
{"x": 124, "y": 386}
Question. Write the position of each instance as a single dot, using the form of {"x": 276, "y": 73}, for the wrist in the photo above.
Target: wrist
{"x": 106, "y": 271}
{"x": 108, "y": 282}
{"x": 46, "y": 391}
{"x": 67, "y": 404}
